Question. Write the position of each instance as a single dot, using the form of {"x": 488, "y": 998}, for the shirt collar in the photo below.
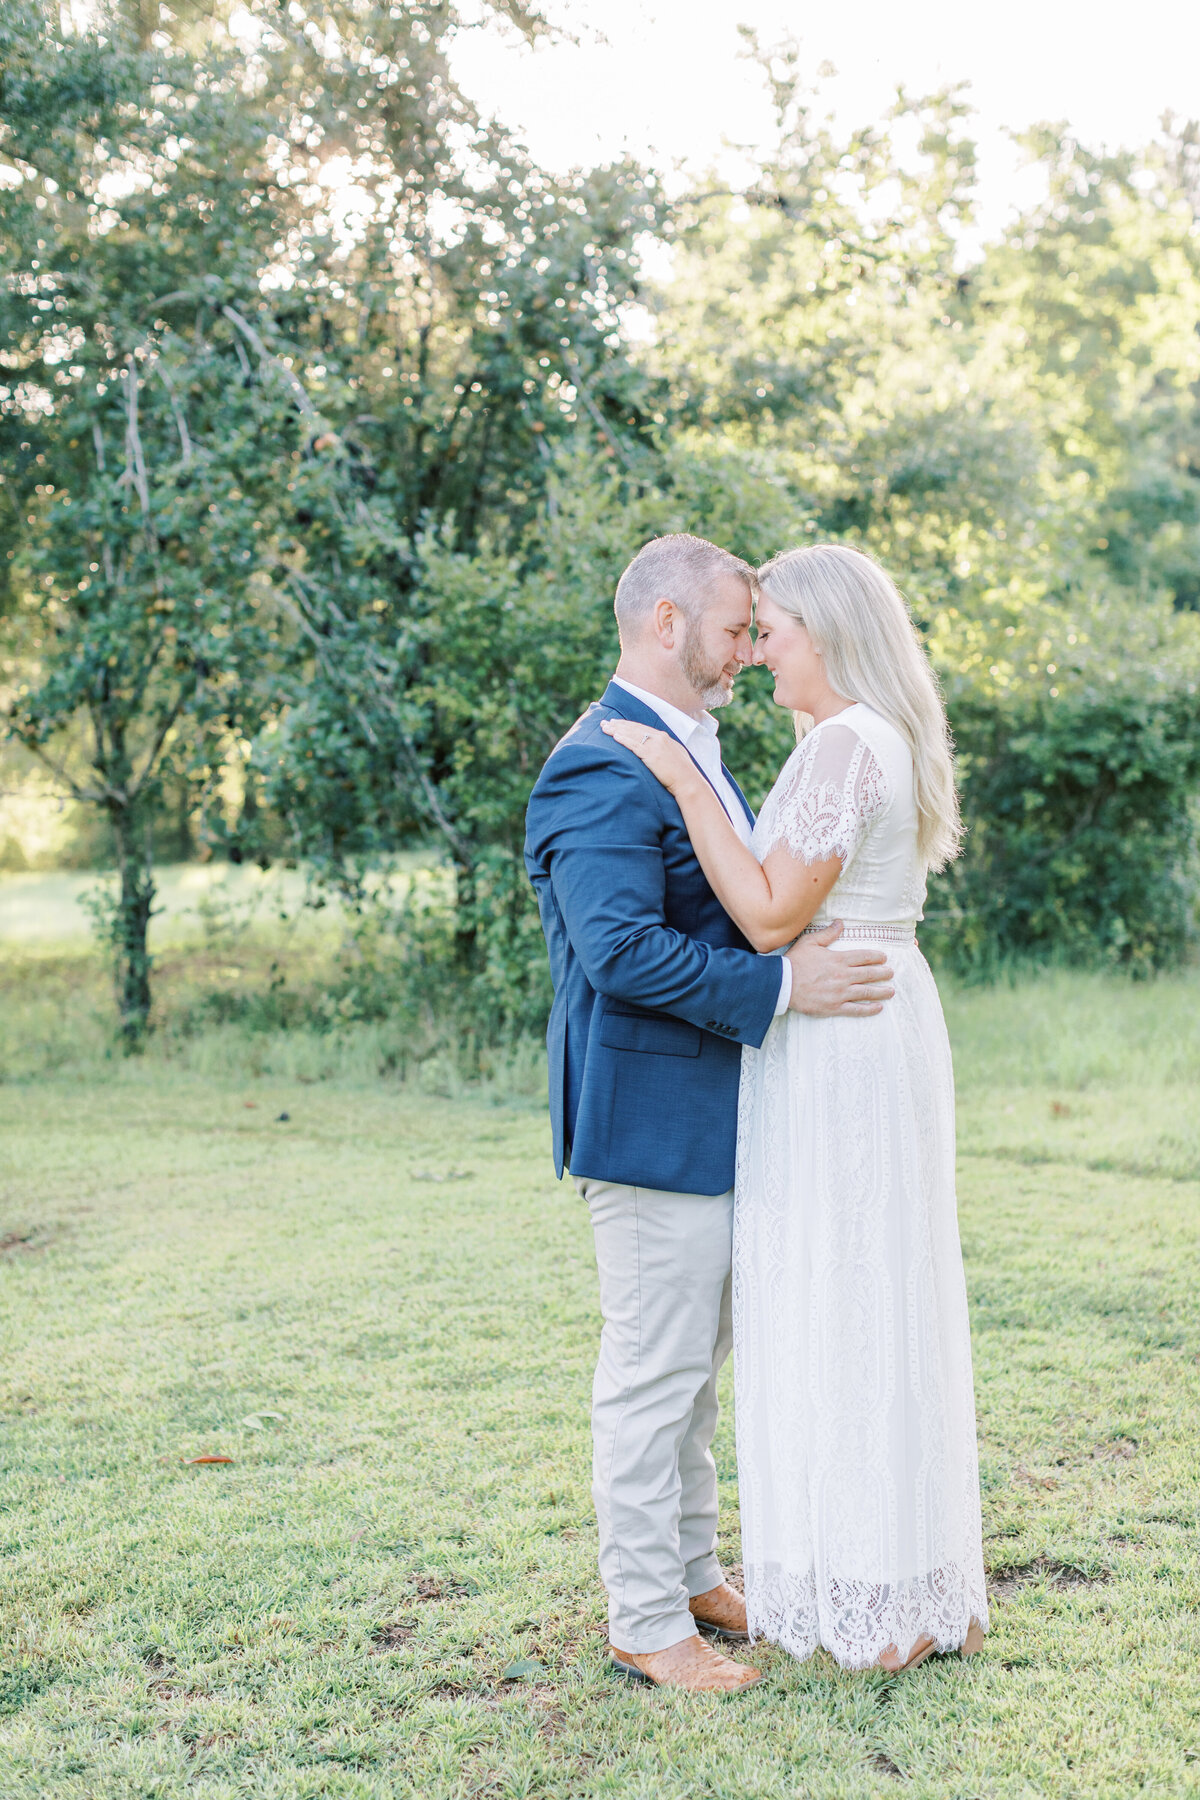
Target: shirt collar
{"x": 681, "y": 723}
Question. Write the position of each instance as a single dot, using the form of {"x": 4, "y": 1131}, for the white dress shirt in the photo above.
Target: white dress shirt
{"x": 700, "y": 739}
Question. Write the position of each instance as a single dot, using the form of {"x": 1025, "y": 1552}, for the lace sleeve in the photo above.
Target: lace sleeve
{"x": 827, "y": 796}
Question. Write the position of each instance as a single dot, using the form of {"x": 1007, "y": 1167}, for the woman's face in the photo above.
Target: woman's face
{"x": 784, "y": 646}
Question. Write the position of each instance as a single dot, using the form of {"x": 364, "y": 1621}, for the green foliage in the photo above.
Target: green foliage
{"x": 1081, "y": 830}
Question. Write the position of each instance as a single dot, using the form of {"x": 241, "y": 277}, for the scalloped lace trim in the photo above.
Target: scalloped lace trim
{"x": 856, "y": 1621}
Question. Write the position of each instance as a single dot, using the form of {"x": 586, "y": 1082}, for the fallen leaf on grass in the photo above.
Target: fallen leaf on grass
{"x": 449, "y": 1175}
{"x": 527, "y": 1669}
{"x": 207, "y": 1459}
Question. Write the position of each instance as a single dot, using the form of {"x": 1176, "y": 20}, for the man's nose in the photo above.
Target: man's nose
{"x": 744, "y": 650}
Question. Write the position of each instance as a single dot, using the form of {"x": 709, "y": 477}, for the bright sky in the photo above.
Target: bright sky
{"x": 663, "y": 79}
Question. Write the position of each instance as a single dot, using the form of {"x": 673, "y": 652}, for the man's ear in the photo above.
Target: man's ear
{"x": 666, "y": 621}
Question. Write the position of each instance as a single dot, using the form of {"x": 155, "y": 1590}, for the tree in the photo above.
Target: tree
{"x": 186, "y": 328}
{"x": 1093, "y": 299}
{"x": 467, "y": 332}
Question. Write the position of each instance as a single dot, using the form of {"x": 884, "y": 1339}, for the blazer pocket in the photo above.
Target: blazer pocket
{"x": 653, "y": 1033}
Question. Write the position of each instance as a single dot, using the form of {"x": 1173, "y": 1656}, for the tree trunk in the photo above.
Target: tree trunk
{"x": 131, "y": 921}
{"x": 466, "y": 928}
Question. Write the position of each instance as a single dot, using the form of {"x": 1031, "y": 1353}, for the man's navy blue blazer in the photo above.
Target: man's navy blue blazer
{"x": 655, "y": 988}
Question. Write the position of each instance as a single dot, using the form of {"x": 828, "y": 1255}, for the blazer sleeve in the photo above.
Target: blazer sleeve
{"x": 597, "y": 821}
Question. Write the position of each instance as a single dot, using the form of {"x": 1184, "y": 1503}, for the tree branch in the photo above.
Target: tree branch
{"x": 64, "y": 775}
{"x": 185, "y": 441}
{"x": 135, "y": 465}
{"x": 580, "y": 384}
{"x": 137, "y": 783}
{"x": 460, "y": 849}
{"x": 297, "y": 386}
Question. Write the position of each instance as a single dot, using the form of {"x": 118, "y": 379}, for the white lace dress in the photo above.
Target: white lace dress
{"x": 857, "y": 1461}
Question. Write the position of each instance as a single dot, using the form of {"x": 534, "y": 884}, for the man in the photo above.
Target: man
{"x": 655, "y": 992}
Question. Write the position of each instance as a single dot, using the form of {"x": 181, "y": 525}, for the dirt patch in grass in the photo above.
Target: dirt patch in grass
{"x": 394, "y": 1635}
{"x": 1116, "y": 1450}
{"x": 882, "y": 1764}
{"x": 1004, "y": 1583}
{"x": 441, "y": 1587}
{"x": 17, "y": 1243}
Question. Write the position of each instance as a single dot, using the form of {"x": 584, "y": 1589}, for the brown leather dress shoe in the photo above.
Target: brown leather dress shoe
{"x": 691, "y": 1665}
{"x": 721, "y": 1612}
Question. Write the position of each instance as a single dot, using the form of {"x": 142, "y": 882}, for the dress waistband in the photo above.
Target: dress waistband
{"x": 902, "y": 931}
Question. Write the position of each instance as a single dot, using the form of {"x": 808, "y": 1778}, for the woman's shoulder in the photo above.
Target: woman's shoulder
{"x": 872, "y": 729}
{"x": 857, "y": 752}
{"x": 856, "y": 728}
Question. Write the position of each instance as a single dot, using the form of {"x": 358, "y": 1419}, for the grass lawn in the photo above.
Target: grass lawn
{"x": 382, "y": 1308}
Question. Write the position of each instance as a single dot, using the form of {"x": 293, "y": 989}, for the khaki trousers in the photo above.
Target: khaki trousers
{"x": 665, "y": 1292}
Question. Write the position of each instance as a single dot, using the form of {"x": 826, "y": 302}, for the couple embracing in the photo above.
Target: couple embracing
{"x": 750, "y": 1084}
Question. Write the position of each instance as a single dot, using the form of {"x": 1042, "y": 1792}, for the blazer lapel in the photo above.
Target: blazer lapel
{"x": 746, "y": 806}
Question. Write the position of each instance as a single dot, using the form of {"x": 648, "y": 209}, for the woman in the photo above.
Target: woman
{"x": 857, "y": 1458}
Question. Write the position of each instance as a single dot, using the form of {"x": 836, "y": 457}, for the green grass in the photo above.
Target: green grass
{"x": 38, "y": 908}
{"x": 396, "y": 1275}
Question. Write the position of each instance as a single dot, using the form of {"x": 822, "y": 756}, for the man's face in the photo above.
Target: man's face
{"x": 716, "y": 641}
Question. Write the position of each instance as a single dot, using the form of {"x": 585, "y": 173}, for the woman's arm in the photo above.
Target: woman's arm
{"x": 770, "y": 902}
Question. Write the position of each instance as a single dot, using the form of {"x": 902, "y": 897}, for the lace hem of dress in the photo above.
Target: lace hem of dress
{"x": 856, "y": 1621}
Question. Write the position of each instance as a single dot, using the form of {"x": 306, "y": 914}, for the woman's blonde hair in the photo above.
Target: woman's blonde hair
{"x": 872, "y": 653}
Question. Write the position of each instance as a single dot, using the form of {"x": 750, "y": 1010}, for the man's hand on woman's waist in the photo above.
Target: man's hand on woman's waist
{"x": 829, "y": 984}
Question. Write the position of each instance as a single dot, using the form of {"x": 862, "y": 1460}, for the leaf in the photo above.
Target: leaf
{"x": 208, "y": 1459}
{"x": 252, "y": 1422}
{"x": 527, "y": 1669}
{"x": 269, "y": 1415}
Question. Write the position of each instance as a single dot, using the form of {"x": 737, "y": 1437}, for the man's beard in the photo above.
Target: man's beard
{"x": 699, "y": 671}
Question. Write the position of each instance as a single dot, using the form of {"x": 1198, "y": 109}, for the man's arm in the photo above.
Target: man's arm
{"x": 596, "y": 828}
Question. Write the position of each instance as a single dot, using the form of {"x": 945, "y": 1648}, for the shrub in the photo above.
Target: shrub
{"x": 1081, "y": 827}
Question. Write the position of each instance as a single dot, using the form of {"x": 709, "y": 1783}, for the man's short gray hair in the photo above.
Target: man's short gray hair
{"x": 678, "y": 567}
